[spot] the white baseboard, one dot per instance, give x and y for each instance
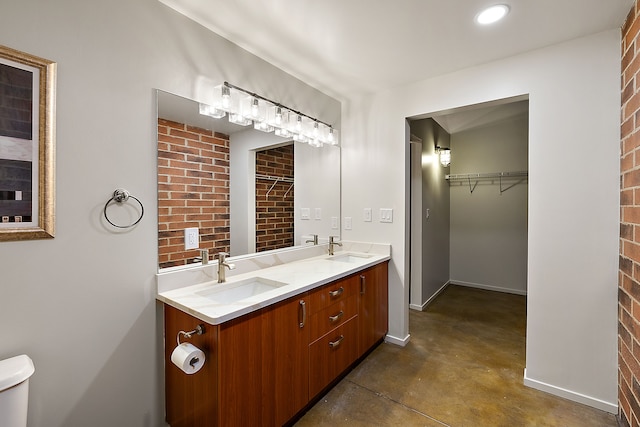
(397, 341)
(571, 395)
(487, 287)
(431, 298)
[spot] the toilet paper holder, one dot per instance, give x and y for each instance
(199, 330)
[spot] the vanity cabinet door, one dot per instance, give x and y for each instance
(240, 381)
(285, 350)
(373, 305)
(264, 365)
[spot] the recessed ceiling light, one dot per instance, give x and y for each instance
(492, 14)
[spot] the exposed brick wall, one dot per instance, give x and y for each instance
(16, 102)
(629, 274)
(274, 213)
(193, 190)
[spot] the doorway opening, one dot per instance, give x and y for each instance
(469, 219)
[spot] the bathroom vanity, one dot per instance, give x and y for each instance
(269, 356)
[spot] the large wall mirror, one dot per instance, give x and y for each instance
(244, 190)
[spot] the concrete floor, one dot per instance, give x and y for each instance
(463, 367)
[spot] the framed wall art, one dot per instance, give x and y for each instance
(27, 146)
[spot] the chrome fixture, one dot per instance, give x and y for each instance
(204, 256)
(333, 243)
(244, 108)
(222, 263)
(313, 240)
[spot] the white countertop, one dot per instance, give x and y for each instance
(295, 277)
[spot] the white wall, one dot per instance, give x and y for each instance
(574, 91)
(83, 304)
(489, 228)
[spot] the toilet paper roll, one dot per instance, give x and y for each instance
(188, 358)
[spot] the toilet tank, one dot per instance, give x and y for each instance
(14, 390)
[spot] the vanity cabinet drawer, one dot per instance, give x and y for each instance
(332, 354)
(335, 315)
(332, 293)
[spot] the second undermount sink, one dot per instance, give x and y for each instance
(227, 293)
(348, 257)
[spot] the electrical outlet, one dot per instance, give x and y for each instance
(347, 223)
(191, 239)
(386, 215)
(367, 214)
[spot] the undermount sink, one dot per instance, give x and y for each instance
(349, 258)
(227, 293)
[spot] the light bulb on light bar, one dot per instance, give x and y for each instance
(208, 110)
(281, 132)
(226, 97)
(332, 136)
(239, 119)
(263, 126)
(298, 137)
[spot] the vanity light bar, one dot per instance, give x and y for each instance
(269, 116)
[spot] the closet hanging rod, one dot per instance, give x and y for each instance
(274, 178)
(476, 176)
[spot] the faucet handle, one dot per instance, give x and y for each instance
(222, 256)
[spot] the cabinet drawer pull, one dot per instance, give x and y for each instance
(336, 343)
(337, 292)
(302, 314)
(363, 284)
(337, 317)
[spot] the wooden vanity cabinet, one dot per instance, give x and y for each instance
(265, 367)
(256, 372)
(373, 307)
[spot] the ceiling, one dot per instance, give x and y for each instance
(351, 47)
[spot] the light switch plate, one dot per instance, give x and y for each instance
(305, 213)
(191, 238)
(386, 215)
(367, 215)
(318, 214)
(334, 222)
(347, 223)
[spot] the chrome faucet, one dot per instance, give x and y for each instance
(332, 243)
(313, 240)
(204, 256)
(222, 263)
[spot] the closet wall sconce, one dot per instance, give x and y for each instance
(245, 108)
(445, 155)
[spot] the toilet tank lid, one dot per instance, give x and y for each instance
(15, 370)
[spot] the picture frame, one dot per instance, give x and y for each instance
(27, 146)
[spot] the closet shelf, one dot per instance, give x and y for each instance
(274, 178)
(518, 176)
(494, 175)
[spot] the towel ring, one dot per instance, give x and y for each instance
(121, 195)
